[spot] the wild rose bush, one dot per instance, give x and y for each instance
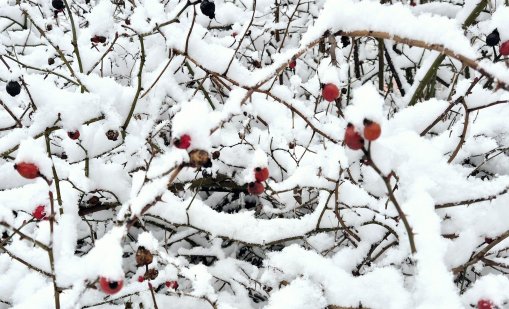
(254, 154)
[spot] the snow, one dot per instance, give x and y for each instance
(148, 241)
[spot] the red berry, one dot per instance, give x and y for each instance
(261, 174)
(141, 279)
(183, 142)
(255, 188)
(39, 213)
(74, 135)
(372, 130)
(352, 138)
(172, 284)
(292, 64)
(484, 304)
(110, 287)
(504, 48)
(330, 92)
(27, 170)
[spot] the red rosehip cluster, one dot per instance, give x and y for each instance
(256, 187)
(172, 284)
(355, 141)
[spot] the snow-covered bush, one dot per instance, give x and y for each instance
(254, 154)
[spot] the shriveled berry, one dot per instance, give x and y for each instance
(199, 158)
(345, 41)
(112, 135)
(51, 61)
(98, 39)
(172, 284)
(208, 163)
(353, 139)
(74, 135)
(330, 92)
(110, 286)
(27, 170)
(143, 256)
(484, 304)
(255, 188)
(372, 130)
(151, 274)
(13, 88)
(504, 48)
(94, 200)
(58, 5)
(39, 212)
(261, 174)
(183, 142)
(493, 38)
(208, 8)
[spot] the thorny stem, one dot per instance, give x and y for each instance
(54, 170)
(394, 201)
(108, 50)
(50, 254)
(463, 133)
(481, 254)
(241, 39)
(41, 70)
(173, 176)
(186, 50)
(59, 51)
(151, 288)
(74, 37)
(48, 130)
(138, 89)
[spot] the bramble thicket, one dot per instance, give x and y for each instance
(254, 154)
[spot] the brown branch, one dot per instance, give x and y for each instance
(472, 201)
(478, 256)
(463, 133)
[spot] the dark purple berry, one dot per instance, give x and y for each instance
(58, 5)
(208, 8)
(13, 88)
(493, 38)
